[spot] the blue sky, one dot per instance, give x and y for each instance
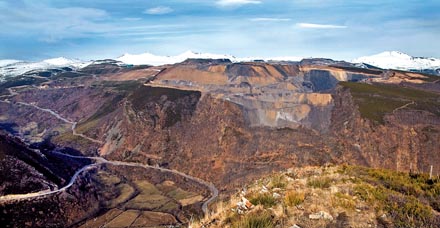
(87, 29)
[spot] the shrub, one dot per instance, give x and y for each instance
(343, 201)
(278, 181)
(293, 198)
(408, 211)
(260, 219)
(265, 199)
(319, 182)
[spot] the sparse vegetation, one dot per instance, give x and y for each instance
(294, 198)
(265, 199)
(354, 196)
(260, 219)
(278, 181)
(68, 137)
(376, 100)
(344, 201)
(401, 195)
(319, 182)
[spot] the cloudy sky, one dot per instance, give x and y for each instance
(340, 29)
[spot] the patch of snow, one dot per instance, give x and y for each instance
(11, 68)
(157, 60)
(5, 62)
(399, 60)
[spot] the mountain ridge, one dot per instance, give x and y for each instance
(400, 61)
(385, 60)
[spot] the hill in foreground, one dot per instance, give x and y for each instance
(332, 196)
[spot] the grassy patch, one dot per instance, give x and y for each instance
(144, 93)
(107, 179)
(265, 199)
(319, 182)
(125, 192)
(376, 100)
(124, 219)
(401, 195)
(262, 219)
(278, 181)
(150, 198)
(149, 202)
(105, 109)
(343, 201)
(68, 137)
(294, 198)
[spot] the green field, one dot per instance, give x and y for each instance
(376, 100)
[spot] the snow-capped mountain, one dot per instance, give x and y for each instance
(10, 68)
(385, 60)
(400, 61)
(156, 60)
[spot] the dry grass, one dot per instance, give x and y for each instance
(260, 219)
(319, 182)
(125, 192)
(357, 196)
(278, 181)
(124, 219)
(294, 198)
(343, 201)
(265, 199)
(150, 198)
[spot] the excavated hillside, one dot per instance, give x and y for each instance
(228, 123)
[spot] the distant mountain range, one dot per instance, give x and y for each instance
(400, 61)
(385, 60)
(10, 68)
(150, 59)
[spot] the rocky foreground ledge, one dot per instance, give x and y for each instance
(332, 196)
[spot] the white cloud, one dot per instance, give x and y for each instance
(50, 23)
(226, 3)
(269, 19)
(131, 18)
(159, 10)
(320, 26)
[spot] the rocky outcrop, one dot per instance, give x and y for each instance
(227, 122)
(408, 139)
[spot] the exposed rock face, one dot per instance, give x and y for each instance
(408, 138)
(230, 122)
(272, 95)
(28, 170)
(292, 110)
(211, 140)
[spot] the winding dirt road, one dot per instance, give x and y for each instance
(99, 161)
(64, 120)
(404, 106)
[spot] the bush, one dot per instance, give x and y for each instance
(260, 219)
(343, 201)
(319, 182)
(293, 198)
(408, 211)
(404, 210)
(278, 181)
(265, 199)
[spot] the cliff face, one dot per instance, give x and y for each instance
(226, 122)
(408, 139)
(206, 137)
